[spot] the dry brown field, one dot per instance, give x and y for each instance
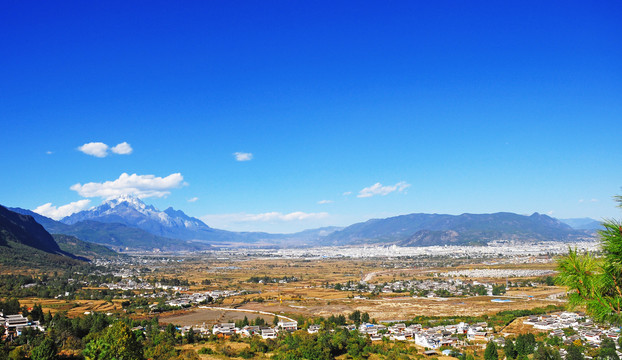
(309, 297)
(73, 308)
(210, 317)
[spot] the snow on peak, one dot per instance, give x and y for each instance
(129, 199)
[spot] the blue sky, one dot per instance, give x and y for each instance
(341, 111)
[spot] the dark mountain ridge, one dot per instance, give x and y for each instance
(24, 242)
(23, 229)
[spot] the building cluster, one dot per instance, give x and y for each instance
(497, 273)
(518, 252)
(129, 284)
(14, 325)
(185, 300)
(431, 338)
(584, 328)
(228, 329)
(430, 288)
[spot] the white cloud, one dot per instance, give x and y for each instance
(97, 149)
(60, 212)
(379, 189)
(550, 213)
(141, 186)
(273, 216)
(122, 149)
(193, 199)
(49, 152)
(347, 193)
(271, 222)
(242, 156)
(324, 202)
(591, 200)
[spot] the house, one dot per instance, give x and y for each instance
(312, 329)
(477, 335)
(288, 325)
(375, 337)
(224, 329)
(397, 328)
(16, 323)
(268, 333)
(398, 336)
(250, 331)
(425, 341)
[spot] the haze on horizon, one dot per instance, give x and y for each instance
(285, 116)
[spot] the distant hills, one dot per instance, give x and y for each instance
(583, 223)
(127, 223)
(440, 229)
(24, 242)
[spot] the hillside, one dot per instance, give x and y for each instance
(441, 229)
(73, 245)
(23, 229)
(24, 242)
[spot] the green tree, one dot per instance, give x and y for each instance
(491, 352)
(46, 350)
(356, 317)
(365, 317)
(525, 344)
(574, 353)
(608, 350)
(10, 307)
(37, 313)
(117, 342)
(190, 338)
(510, 351)
(546, 353)
(596, 283)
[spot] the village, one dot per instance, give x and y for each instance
(583, 328)
(428, 288)
(432, 339)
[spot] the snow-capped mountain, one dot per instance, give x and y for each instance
(132, 211)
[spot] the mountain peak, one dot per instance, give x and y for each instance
(131, 211)
(128, 199)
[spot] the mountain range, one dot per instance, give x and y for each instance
(127, 223)
(116, 236)
(442, 229)
(131, 211)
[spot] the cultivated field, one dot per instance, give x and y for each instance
(309, 297)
